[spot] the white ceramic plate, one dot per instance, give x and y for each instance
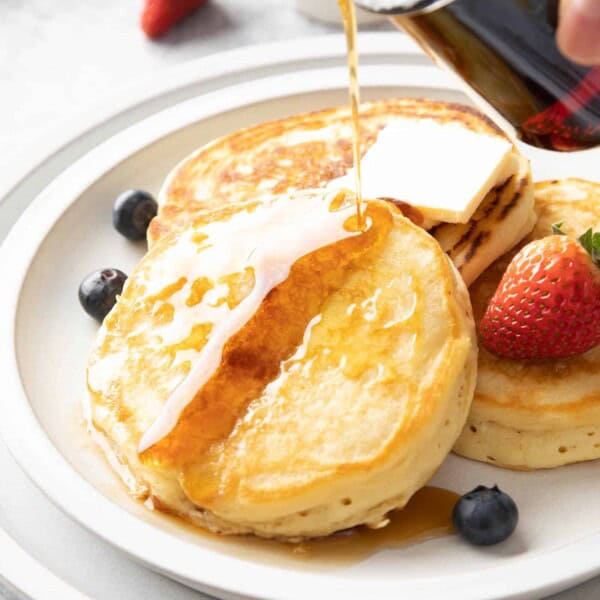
(44, 338)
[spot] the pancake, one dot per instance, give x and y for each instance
(308, 151)
(501, 221)
(534, 415)
(331, 406)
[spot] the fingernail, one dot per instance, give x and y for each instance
(579, 31)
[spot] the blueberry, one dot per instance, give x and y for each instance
(485, 516)
(99, 290)
(132, 212)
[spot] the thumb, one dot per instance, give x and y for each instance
(578, 33)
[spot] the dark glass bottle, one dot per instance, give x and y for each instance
(506, 51)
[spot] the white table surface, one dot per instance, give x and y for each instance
(56, 58)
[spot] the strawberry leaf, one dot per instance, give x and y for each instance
(557, 228)
(591, 242)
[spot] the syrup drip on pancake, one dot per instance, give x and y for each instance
(349, 18)
(289, 235)
(265, 354)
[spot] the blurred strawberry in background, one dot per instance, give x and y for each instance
(159, 16)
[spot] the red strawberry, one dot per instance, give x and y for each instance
(548, 302)
(160, 15)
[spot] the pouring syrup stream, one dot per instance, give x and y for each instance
(349, 17)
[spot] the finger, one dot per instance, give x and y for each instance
(579, 31)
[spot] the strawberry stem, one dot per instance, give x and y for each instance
(591, 242)
(557, 228)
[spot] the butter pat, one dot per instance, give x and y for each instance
(443, 169)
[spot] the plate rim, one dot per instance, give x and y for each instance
(30, 576)
(39, 219)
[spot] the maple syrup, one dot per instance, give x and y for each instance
(427, 515)
(252, 355)
(349, 18)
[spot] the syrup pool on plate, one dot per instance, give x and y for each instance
(427, 515)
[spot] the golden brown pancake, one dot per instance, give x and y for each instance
(335, 403)
(308, 151)
(300, 152)
(533, 415)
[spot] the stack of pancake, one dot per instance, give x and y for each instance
(352, 382)
(528, 415)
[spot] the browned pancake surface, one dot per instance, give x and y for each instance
(300, 152)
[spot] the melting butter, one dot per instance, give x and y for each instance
(442, 169)
(269, 241)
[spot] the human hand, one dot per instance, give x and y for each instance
(578, 33)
